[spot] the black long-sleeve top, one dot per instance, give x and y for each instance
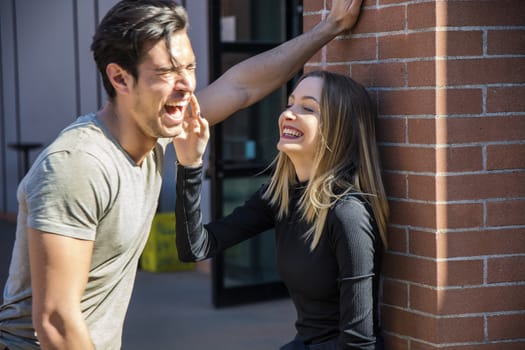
(332, 287)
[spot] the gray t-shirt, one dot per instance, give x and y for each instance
(84, 185)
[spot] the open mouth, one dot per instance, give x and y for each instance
(174, 112)
(173, 109)
(291, 133)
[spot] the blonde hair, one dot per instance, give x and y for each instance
(346, 159)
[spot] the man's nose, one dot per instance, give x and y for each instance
(185, 81)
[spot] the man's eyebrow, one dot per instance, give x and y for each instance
(165, 69)
(173, 68)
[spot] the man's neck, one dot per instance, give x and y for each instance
(126, 132)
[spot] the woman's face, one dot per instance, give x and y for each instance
(299, 123)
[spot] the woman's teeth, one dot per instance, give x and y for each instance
(292, 132)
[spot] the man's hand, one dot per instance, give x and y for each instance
(344, 14)
(191, 143)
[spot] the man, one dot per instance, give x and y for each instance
(86, 205)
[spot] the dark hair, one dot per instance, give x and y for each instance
(127, 27)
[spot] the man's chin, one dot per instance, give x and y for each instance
(172, 132)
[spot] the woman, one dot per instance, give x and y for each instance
(327, 204)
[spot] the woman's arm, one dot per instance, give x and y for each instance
(197, 242)
(354, 239)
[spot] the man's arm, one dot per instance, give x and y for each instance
(59, 273)
(251, 80)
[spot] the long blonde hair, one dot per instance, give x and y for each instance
(346, 158)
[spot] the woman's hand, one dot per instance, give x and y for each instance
(191, 143)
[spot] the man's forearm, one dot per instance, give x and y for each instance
(268, 71)
(251, 80)
(68, 332)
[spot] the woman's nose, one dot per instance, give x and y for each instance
(288, 114)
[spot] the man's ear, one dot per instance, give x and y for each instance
(119, 78)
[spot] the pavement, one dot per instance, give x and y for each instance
(173, 311)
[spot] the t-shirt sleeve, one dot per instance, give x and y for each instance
(354, 238)
(66, 194)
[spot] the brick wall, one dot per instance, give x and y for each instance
(449, 78)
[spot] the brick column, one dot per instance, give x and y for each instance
(449, 79)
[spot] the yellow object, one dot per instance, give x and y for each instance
(160, 252)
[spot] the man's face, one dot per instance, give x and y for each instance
(160, 96)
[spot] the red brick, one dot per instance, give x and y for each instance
(459, 159)
(506, 99)
(452, 216)
(466, 130)
(506, 326)
(380, 74)
(395, 293)
(421, 73)
(479, 243)
(397, 240)
(424, 244)
(373, 20)
(427, 131)
(506, 156)
(425, 15)
(312, 5)
(460, 329)
(509, 269)
(406, 323)
(485, 13)
(506, 42)
(459, 43)
(506, 213)
(519, 345)
(415, 45)
(407, 102)
(408, 268)
(425, 299)
(457, 216)
(459, 301)
(481, 71)
(420, 102)
(395, 184)
(390, 2)
(484, 186)
(460, 273)
(459, 101)
(391, 130)
(348, 50)
(393, 342)
(419, 159)
(431, 44)
(430, 329)
(422, 187)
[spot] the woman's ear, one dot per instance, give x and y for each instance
(119, 78)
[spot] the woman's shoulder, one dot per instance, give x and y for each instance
(351, 203)
(351, 214)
